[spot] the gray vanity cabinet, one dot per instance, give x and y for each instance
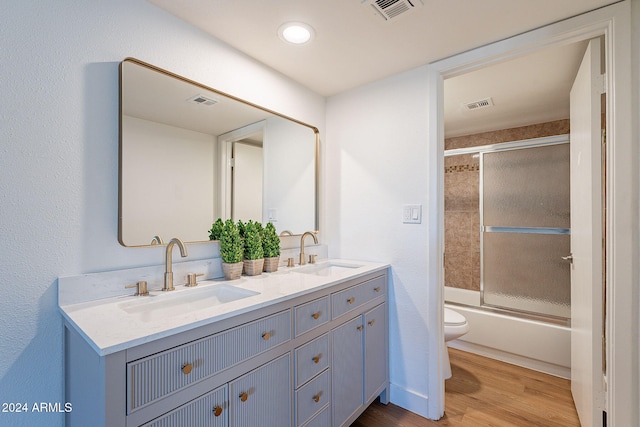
(313, 360)
(359, 362)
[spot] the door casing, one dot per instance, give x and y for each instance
(614, 24)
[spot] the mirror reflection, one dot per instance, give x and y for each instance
(190, 154)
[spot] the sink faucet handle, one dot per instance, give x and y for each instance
(312, 258)
(141, 288)
(192, 279)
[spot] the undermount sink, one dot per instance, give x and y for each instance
(327, 268)
(184, 301)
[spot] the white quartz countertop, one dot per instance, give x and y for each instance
(118, 323)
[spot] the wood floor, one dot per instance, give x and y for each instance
(485, 392)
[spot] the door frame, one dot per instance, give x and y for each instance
(612, 22)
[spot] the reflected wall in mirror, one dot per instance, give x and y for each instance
(190, 154)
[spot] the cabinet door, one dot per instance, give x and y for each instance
(347, 370)
(263, 396)
(210, 410)
(376, 366)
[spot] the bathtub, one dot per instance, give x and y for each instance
(532, 344)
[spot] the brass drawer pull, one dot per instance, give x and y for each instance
(351, 300)
(186, 368)
(316, 359)
(217, 410)
(316, 315)
(371, 322)
(377, 289)
(266, 336)
(244, 396)
(316, 398)
(359, 327)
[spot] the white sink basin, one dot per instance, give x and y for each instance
(169, 304)
(327, 268)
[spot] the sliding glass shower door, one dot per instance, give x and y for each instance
(524, 218)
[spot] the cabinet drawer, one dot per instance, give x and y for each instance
(323, 419)
(311, 358)
(311, 398)
(154, 377)
(351, 298)
(311, 315)
(210, 410)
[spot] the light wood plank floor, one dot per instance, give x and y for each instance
(486, 392)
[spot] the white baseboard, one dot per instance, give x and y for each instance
(409, 400)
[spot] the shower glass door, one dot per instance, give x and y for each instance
(524, 217)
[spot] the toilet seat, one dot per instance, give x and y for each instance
(453, 318)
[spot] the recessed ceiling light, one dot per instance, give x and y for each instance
(296, 32)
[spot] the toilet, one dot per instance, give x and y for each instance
(455, 326)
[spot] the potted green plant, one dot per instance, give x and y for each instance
(271, 248)
(253, 252)
(231, 250)
(216, 229)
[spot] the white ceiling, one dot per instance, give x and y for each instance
(355, 46)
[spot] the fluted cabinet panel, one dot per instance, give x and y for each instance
(312, 397)
(356, 296)
(323, 419)
(347, 370)
(210, 410)
(311, 358)
(154, 377)
(311, 315)
(376, 365)
(263, 396)
(248, 340)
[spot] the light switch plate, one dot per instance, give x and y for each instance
(412, 214)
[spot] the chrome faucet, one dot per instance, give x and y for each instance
(168, 267)
(315, 240)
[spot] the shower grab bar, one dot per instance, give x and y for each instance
(524, 230)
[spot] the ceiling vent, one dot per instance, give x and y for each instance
(202, 100)
(388, 10)
(477, 105)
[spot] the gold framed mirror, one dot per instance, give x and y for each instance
(190, 154)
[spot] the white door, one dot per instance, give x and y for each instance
(247, 182)
(587, 240)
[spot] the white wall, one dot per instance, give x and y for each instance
(169, 176)
(378, 151)
(289, 152)
(59, 159)
(376, 161)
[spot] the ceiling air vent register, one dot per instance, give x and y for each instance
(202, 100)
(391, 9)
(476, 105)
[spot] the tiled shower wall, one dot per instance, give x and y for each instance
(462, 201)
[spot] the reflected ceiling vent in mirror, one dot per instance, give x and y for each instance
(202, 100)
(477, 105)
(389, 10)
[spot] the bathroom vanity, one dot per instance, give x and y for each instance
(306, 346)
